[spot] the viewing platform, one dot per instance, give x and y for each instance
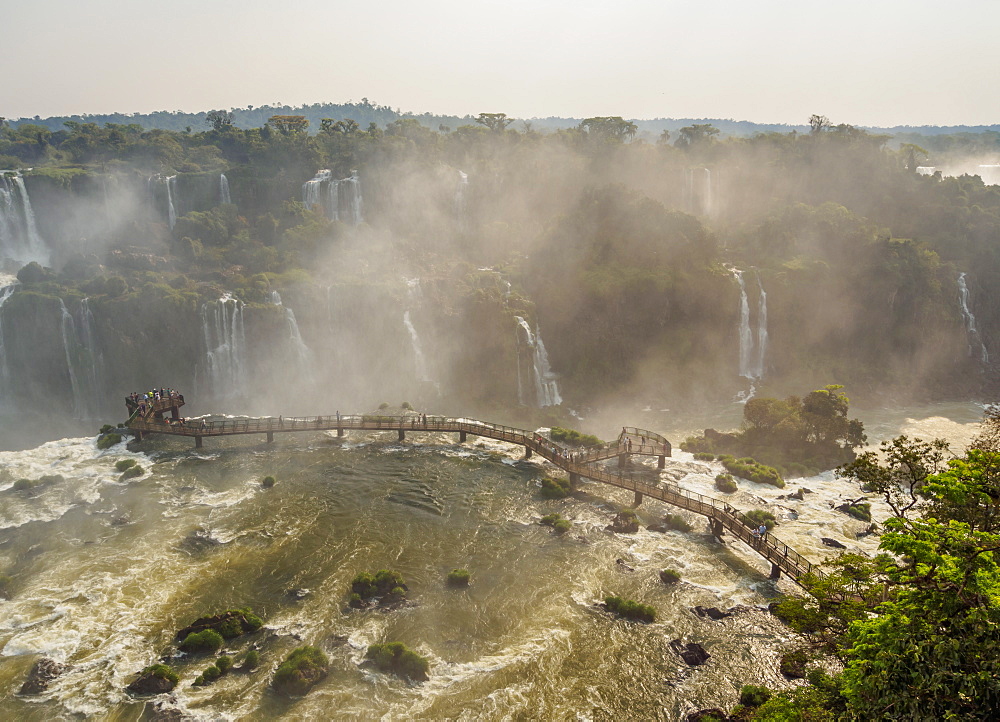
(579, 463)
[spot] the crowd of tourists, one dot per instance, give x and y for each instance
(144, 402)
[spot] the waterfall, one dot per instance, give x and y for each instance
(420, 361)
(171, 211)
(312, 189)
(225, 347)
(19, 236)
(463, 185)
(5, 293)
(302, 353)
(761, 330)
(970, 321)
(352, 193)
(699, 190)
(546, 386)
(71, 351)
(746, 334)
(224, 197)
(94, 360)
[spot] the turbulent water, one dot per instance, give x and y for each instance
(105, 571)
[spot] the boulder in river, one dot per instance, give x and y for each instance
(692, 652)
(711, 612)
(832, 543)
(713, 714)
(44, 671)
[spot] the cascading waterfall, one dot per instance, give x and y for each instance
(224, 197)
(352, 197)
(312, 190)
(72, 352)
(302, 353)
(419, 360)
(94, 360)
(5, 293)
(19, 236)
(546, 386)
(970, 322)
(746, 334)
(225, 347)
(463, 185)
(171, 184)
(699, 191)
(753, 346)
(761, 330)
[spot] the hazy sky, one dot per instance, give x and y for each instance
(871, 62)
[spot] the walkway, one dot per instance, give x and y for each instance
(578, 463)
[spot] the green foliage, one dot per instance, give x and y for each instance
(572, 437)
(300, 671)
(669, 576)
(108, 440)
(267, 482)
(550, 519)
(704, 456)
(251, 660)
(398, 659)
(562, 526)
(161, 671)
(747, 468)
(132, 472)
(754, 696)
(793, 664)
(676, 522)
(555, 488)
(458, 578)
(629, 609)
(383, 405)
(124, 464)
(224, 663)
(384, 582)
(860, 511)
(205, 641)
(406, 405)
(105, 429)
(725, 483)
(756, 517)
(24, 484)
(211, 673)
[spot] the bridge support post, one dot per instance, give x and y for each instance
(623, 461)
(661, 462)
(270, 436)
(340, 431)
(402, 435)
(139, 435)
(638, 499)
(574, 479)
(175, 413)
(715, 525)
(461, 437)
(197, 442)
(527, 452)
(775, 572)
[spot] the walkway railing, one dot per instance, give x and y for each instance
(578, 462)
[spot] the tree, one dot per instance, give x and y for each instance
(696, 135)
(610, 129)
(288, 124)
(818, 124)
(497, 122)
(219, 119)
(825, 414)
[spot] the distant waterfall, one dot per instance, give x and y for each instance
(761, 331)
(225, 348)
(5, 293)
(91, 355)
(463, 186)
(420, 361)
(302, 353)
(699, 191)
(546, 386)
(72, 353)
(19, 237)
(313, 189)
(171, 184)
(970, 322)
(332, 195)
(352, 200)
(753, 346)
(224, 197)
(746, 334)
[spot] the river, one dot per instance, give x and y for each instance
(105, 571)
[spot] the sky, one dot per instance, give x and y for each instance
(870, 63)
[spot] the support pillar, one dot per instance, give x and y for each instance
(140, 435)
(197, 442)
(340, 431)
(461, 437)
(623, 461)
(175, 413)
(661, 462)
(775, 572)
(574, 479)
(715, 526)
(638, 499)
(270, 436)
(527, 452)
(402, 435)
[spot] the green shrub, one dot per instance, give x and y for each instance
(211, 673)
(793, 664)
(132, 472)
(704, 456)
(550, 519)
(797, 614)
(199, 680)
(406, 405)
(105, 429)
(676, 522)
(725, 483)
(553, 488)
(754, 696)
(396, 658)
(756, 517)
(562, 526)
(458, 578)
(267, 482)
(207, 640)
(24, 484)
(669, 576)
(572, 437)
(251, 660)
(224, 663)
(108, 440)
(629, 609)
(123, 464)
(861, 511)
(161, 671)
(383, 405)
(355, 600)
(383, 582)
(747, 468)
(301, 669)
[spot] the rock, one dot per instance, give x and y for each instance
(692, 652)
(711, 612)
(713, 714)
(872, 529)
(298, 594)
(203, 623)
(44, 671)
(161, 712)
(832, 543)
(621, 563)
(624, 523)
(799, 495)
(150, 683)
(662, 528)
(806, 490)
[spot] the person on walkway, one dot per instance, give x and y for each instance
(762, 531)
